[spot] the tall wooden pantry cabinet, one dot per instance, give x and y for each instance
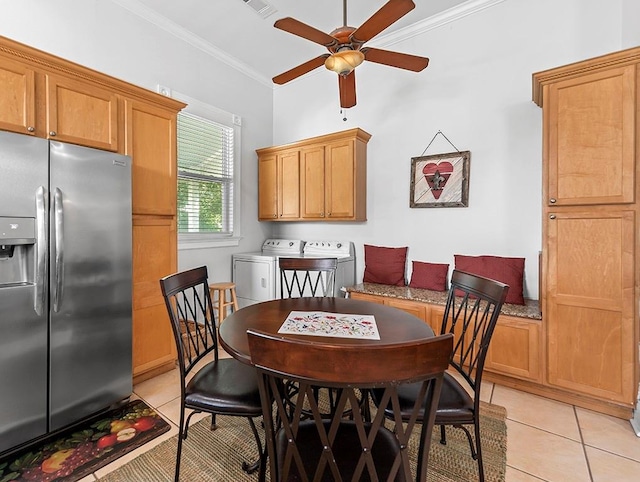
(591, 159)
(46, 96)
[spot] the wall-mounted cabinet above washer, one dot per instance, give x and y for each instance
(318, 179)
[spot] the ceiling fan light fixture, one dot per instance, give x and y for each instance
(344, 62)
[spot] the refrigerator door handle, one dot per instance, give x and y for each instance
(41, 250)
(58, 214)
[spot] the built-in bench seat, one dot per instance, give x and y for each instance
(531, 308)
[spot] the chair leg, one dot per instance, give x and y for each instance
(181, 435)
(251, 468)
(479, 450)
(443, 435)
(213, 422)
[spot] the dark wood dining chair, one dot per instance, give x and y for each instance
(353, 448)
(304, 277)
(471, 313)
(223, 386)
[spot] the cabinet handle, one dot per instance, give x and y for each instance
(552, 200)
(552, 216)
(52, 133)
(31, 129)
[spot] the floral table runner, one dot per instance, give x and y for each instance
(339, 325)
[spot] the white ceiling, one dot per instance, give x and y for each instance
(236, 33)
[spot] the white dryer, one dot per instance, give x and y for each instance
(257, 276)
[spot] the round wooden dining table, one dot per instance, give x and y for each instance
(394, 325)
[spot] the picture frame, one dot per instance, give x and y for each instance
(440, 180)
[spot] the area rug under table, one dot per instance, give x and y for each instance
(73, 454)
(217, 456)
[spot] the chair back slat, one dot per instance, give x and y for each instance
(471, 313)
(192, 316)
(307, 277)
(312, 443)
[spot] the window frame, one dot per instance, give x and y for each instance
(212, 240)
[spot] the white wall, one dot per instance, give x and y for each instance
(477, 91)
(102, 35)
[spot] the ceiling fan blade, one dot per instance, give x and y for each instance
(389, 13)
(395, 59)
(301, 69)
(347, 86)
(303, 30)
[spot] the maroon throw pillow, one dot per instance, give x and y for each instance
(384, 265)
(430, 276)
(506, 270)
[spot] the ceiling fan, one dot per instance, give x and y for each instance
(346, 51)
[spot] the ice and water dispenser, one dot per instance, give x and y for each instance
(17, 244)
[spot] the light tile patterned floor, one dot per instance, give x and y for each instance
(547, 440)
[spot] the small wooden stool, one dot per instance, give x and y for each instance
(221, 302)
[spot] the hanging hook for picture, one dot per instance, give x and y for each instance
(439, 133)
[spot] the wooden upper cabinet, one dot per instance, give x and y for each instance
(81, 113)
(343, 173)
(278, 186)
(312, 182)
(289, 185)
(589, 136)
(17, 97)
(150, 141)
(321, 178)
(268, 187)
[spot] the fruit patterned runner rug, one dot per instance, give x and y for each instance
(71, 455)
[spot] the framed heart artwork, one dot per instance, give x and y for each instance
(440, 180)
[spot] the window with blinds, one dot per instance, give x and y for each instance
(205, 176)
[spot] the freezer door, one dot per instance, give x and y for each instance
(90, 286)
(23, 332)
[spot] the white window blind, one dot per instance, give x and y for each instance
(205, 176)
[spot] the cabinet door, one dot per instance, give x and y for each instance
(289, 185)
(17, 97)
(590, 136)
(268, 188)
(590, 309)
(312, 183)
(515, 348)
(340, 180)
(154, 256)
(81, 113)
(151, 138)
(417, 309)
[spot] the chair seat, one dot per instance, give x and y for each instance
(455, 405)
(227, 387)
(346, 450)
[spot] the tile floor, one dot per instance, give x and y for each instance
(547, 440)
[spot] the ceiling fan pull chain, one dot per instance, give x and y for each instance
(439, 133)
(344, 115)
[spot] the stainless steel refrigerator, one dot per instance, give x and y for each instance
(65, 285)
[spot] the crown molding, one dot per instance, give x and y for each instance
(451, 15)
(151, 16)
(448, 16)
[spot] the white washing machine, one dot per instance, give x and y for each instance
(257, 276)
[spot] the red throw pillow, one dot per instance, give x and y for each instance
(384, 265)
(506, 270)
(430, 276)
